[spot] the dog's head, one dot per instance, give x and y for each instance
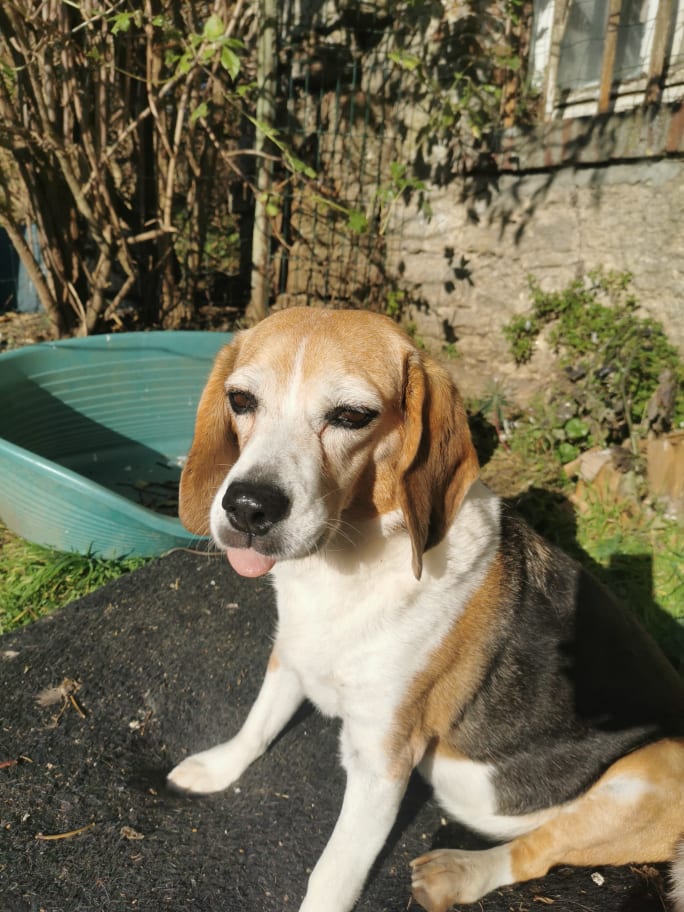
(315, 419)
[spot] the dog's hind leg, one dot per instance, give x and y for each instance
(634, 813)
(215, 769)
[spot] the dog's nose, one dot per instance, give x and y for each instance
(254, 508)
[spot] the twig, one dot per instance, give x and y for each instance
(74, 703)
(54, 836)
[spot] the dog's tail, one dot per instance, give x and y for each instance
(677, 874)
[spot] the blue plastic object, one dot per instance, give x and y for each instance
(93, 435)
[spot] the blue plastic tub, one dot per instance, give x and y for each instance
(93, 435)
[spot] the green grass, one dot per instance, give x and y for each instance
(35, 581)
(640, 552)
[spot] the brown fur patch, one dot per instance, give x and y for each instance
(214, 446)
(452, 674)
(355, 337)
(438, 463)
(604, 826)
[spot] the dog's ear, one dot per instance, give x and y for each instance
(214, 447)
(438, 462)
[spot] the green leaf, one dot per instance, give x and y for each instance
(357, 221)
(567, 452)
(171, 58)
(200, 111)
(121, 23)
(185, 63)
(300, 167)
(397, 171)
(230, 62)
(213, 28)
(269, 131)
(576, 429)
(408, 61)
(206, 54)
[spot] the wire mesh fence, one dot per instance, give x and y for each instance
(341, 122)
(376, 100)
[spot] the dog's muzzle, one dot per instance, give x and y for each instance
(249, 529)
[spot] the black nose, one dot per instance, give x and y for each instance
(254, 508)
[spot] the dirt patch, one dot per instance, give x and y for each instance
(18, 329)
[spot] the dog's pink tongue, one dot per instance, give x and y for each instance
(248, 562)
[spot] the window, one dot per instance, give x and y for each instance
(592, 56)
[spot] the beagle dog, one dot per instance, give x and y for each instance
(445, 634)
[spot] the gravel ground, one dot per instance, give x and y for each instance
(103, 698)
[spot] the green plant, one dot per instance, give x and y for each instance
(411, 329)
(521, 333)
(493, 406)
(396, 301)
(468, 76)
(385, 198)
(117, 124)
(139, 187)
(611, 357)
(399, 184)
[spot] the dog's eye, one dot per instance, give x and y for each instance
(351, 417)
(242, 403)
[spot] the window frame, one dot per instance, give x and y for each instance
(662, 54)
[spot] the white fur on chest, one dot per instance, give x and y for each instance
(346, 637)
(357, 626)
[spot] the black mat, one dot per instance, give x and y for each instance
(168, 661)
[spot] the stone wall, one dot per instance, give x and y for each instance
(554, 201)
(619, 206)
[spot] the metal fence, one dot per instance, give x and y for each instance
(336, 108)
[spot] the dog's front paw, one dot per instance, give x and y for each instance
(445, 877)
(209, 771)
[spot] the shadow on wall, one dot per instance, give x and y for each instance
(543, 151)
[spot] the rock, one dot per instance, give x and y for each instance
(665, 472)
